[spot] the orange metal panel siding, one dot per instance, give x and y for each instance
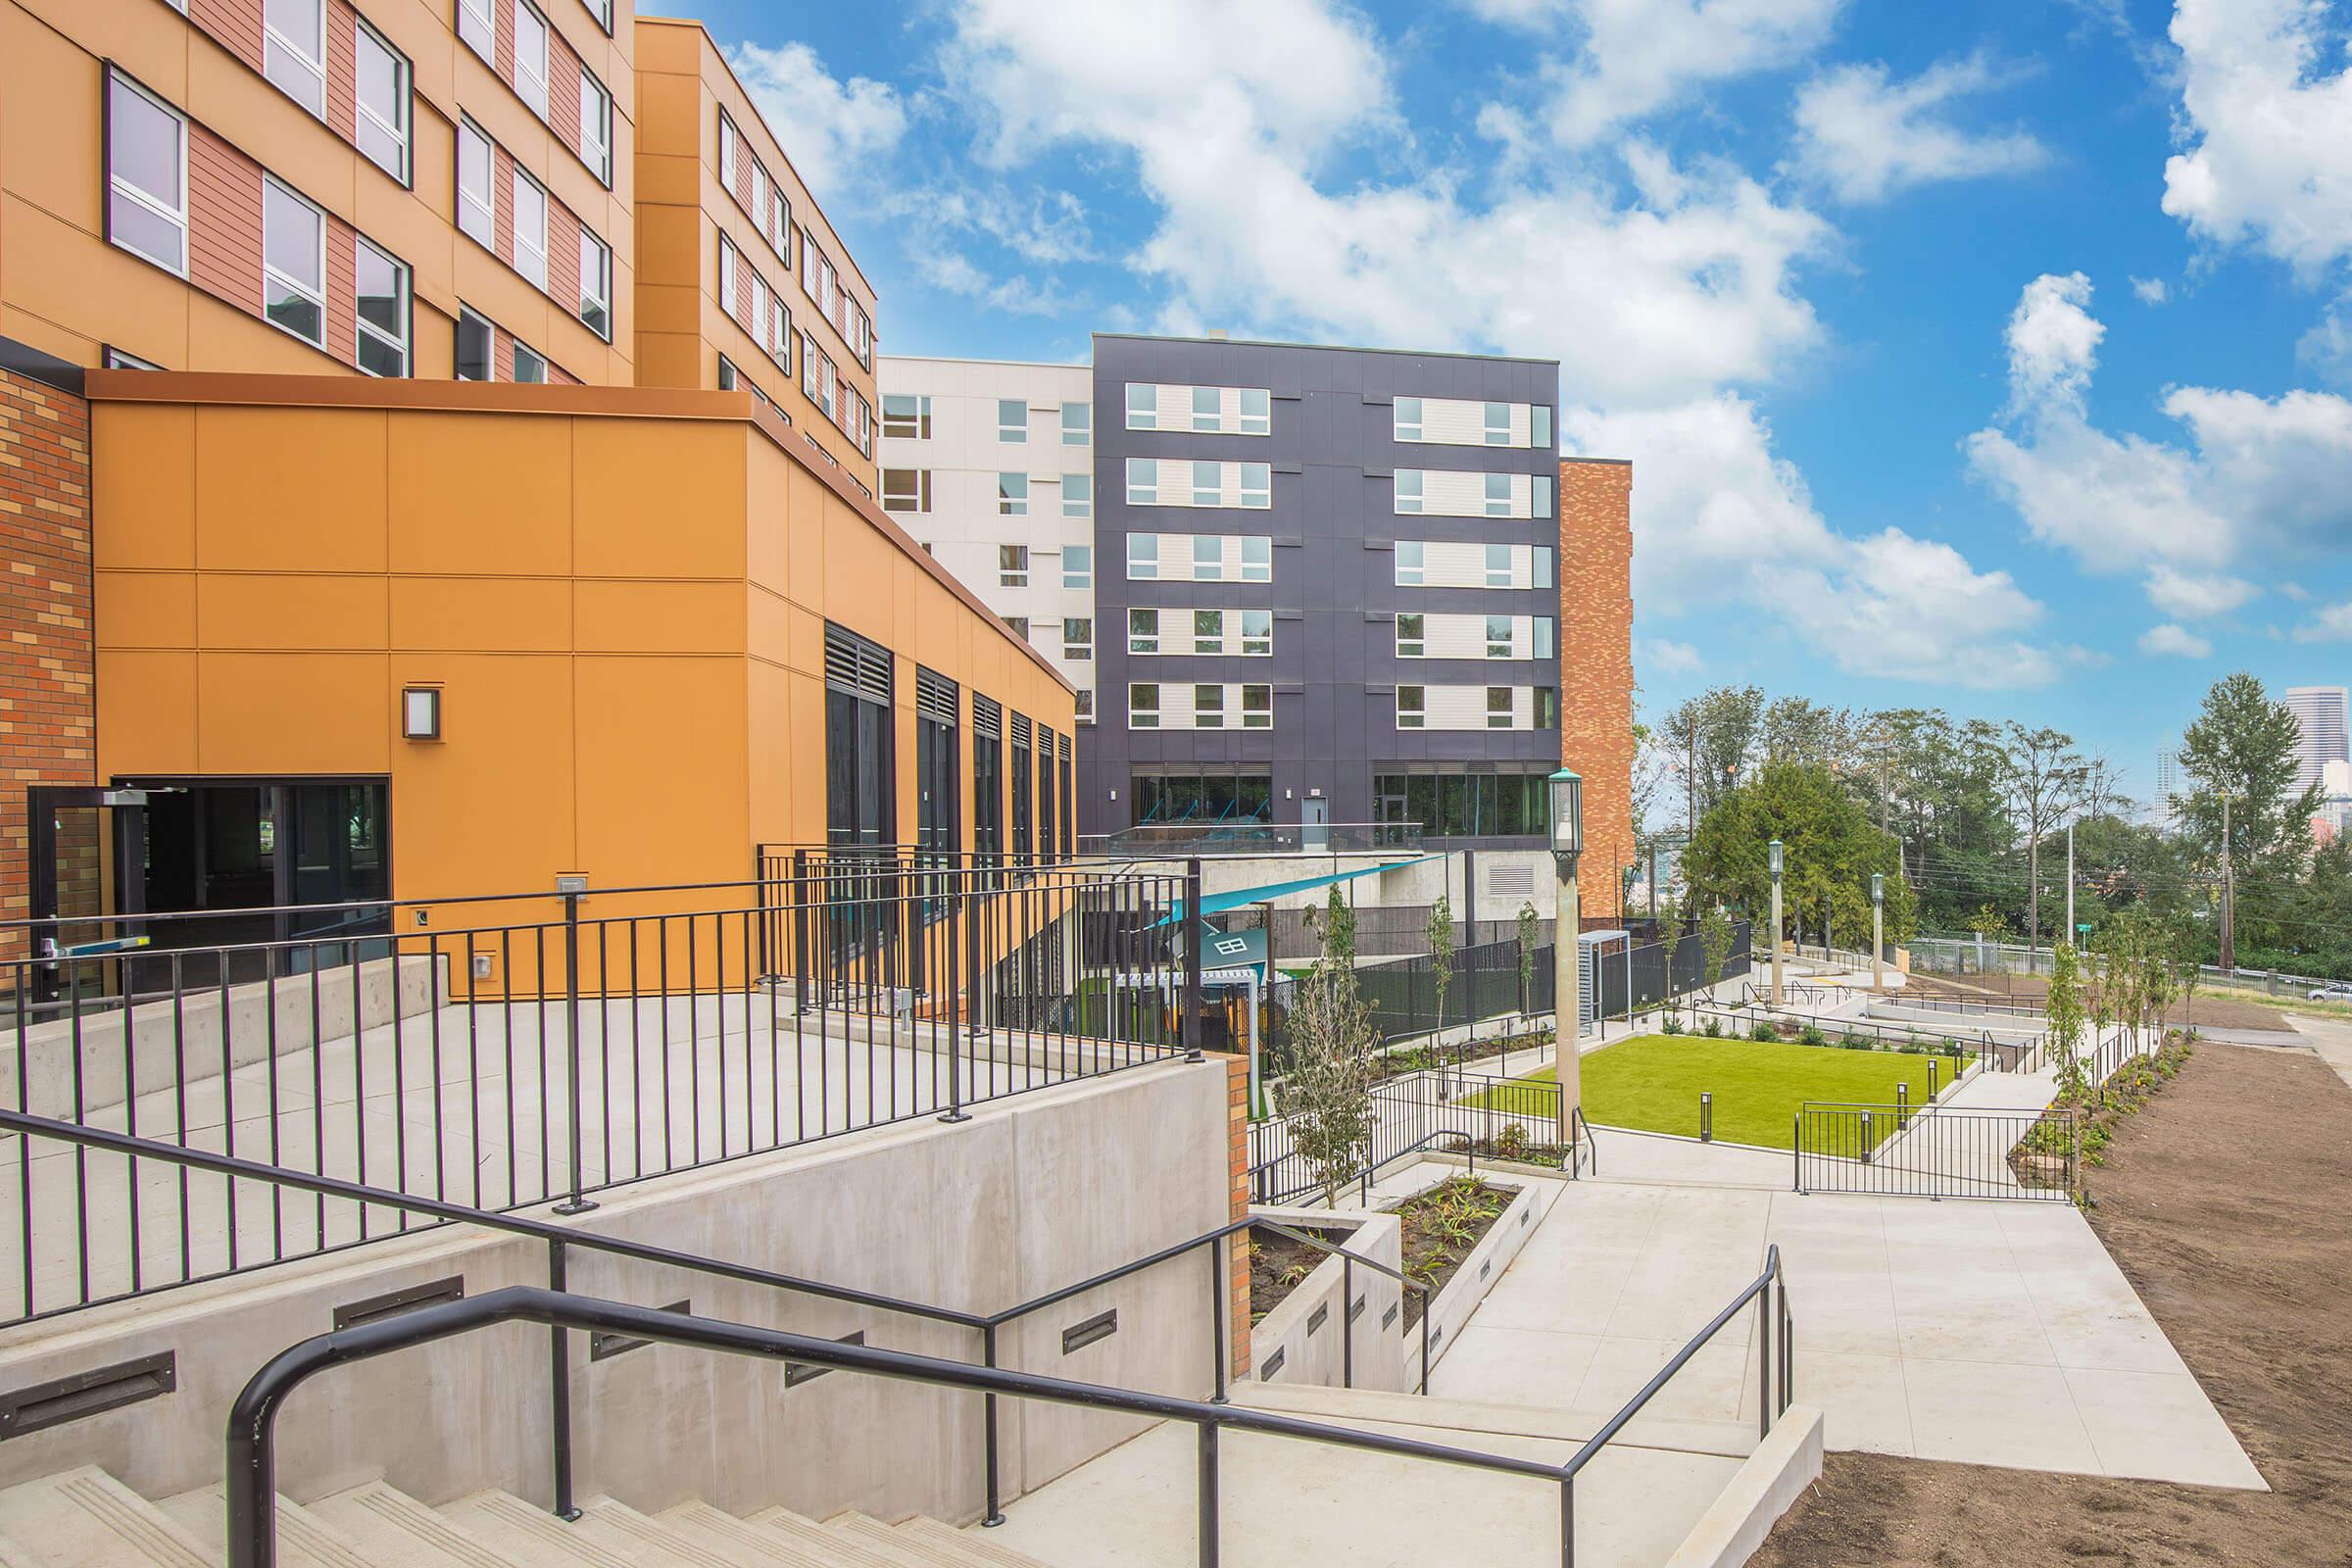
(236, 23)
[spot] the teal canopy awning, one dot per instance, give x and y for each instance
(1242, 897)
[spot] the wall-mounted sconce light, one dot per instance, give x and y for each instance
(421, 712)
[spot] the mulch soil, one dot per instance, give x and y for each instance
(1432, 1256)
(2224, 1201)
(2205, 1012)
(1279, 1265)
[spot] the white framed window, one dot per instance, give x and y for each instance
(905, 415)
(907, 490)
(595, 126)
(1498, 424)
(1412, 707)
(1543, 635)
(1208, 707)
(116, 359)
(1143, 482)
(726, 274)
(1498, 636)
(1539, 427)
(602, 11)
(1257, 558)
(1078, 566)
(1012, 495)
(1258, 485)
(1143, 705)
(811, 366)
(1086, 706)
(1077, 423)
(294, 50)
(530, 57)
(861, 335)
(1209, 631)
(1499, 707)
(293, 263)
(1209, 558)
(596, 284)
(1077, 640)
(1257, 416)
(1257, 632)
(1143, 405)
(380, 90)
(1541, 567)
(1498, 565)
(1208, 407)
(1142, 557)
(1409, 419)
(1143, 631)
(475, 360)
(478, 25)
(760, 193)
(477, 215)
(1411, 571)
(1208, 483)
(1412, 637)
(1410, 485)
(380, 283)
(1077, 495)
(530, 228)
(1498, 495)
(758, 309)
(1012, 422)
(1258, 707)
(146, 175)
(726, 150)
(1545, 702)
(779, 336)
(778, 218)
(530, 365)
(1542, 493)
(1019, 625)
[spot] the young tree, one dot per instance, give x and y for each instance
(1530, 927)
(1670, 937)
(1716, 730)
(1440, 955)
(1715, 944)
(2065, 1018)
(1332, 1079)
(2044, 782)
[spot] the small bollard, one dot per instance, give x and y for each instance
(1902, 1105)
(1866, 1137)
(1706, 1117)
(1933, 1065)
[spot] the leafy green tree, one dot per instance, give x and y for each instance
(2044, 778)
(2243, 747)
(1715, 936)
(1331, 1080)
(1833, 847)
(1717, 729)
(1530, 926)
(1441, 951)
(1670, 937)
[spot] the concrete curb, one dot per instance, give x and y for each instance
(1764, 1488)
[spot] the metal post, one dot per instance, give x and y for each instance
(1902, 1105)
(1219, 1283)
(1878, 923)
(1706, 1116)
(1207, 1526)
(1348, 1317)
(1190, 932)
(1568, 1522)
(575, 1204)
(2069, 882)
(560, 1402)
(800, 932)
(1567, 995)
(988, 1420)
(1776, 923)
(1766, 1333)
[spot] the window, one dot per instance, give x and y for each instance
(759, 193)
(382, 310)
(1258, 707)
(1257, 631)
(1143, 405)
(1410, 712)
(1208, 413)
(860, 741)
(904, 415)
(475, 214)
(726, 274)
(530, 57)
(1143, 706)
(1209, 558)
(1256, 417)
(1543, 644)
(1258, 485)
(779, 226)
(147, 176)
(117, 359)
(602, 11)
(988, 778)
(381, 125)
(1542, 488)
(726, 152)
(293, 263)
(1498, 495)
(1086, 706)
(1411, 638)
(596, 285)
(530, 368)
(474, 338)
(478, 27)
(861, 335)
(812, 368)
(1012, 565)
(1465, 806)
(1498, 636)
(1409, 485)
(759, 314)
(1012, 421)
(1143, 482)
(1498, 424)
(294, 50)
(1258, 559)
(1143, 631)
(596, 127)
(1542, 566)
(1018, 625)
(1498, 565)
(1142, 557)
(1547, 707)
(1540, 423)
(1408, 419)
(905, 489)
(1208, 483)
(1409, 570)
(1078, 566)
(1209, 631)
(1208, 707)
(1077, 495)
(1077, 640)
(1077, 423)
(530, 228)
(1499, 707)
(1012, 495)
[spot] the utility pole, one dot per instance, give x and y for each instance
(1690, 779)
(2229, 953)
(2069, 882)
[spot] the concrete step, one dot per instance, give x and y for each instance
(965, 1548)
(1371, 1408)
(850, 1551)
(530, 1536)
(304, 1540)
(13, 1555)
(86, 1518)
(882, 1541)
(745, 1545)
(648, 1541)
(394, 1528)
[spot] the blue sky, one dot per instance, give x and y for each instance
(1986, 356)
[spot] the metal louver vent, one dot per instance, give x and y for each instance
(856, 664)
(1065, 748)
(1020, 731)
(935, 696)
(988, 718)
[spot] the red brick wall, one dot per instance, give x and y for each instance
(1237, 1311)
(47, 721)
(1596, 664)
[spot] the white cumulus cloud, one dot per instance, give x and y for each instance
(832, 131)
(2175, 642)
(1865, 137)
(2151, 290)
(2332, 623)
(1663, 657)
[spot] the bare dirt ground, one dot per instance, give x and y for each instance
(2205, 1012)
(2225, 1202)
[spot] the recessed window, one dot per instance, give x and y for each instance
(294, 50)
(1499, 707)
(1498, 565)
(726, 274)
(1012, 421)
(1018, 625)
(906, 489)
(1143, 706)
(602, 11)
(1411, 638)
(1257, 632)
(1209, 558)
(1077, 495)
(1208, 707)
(1012, 495)
(1257, 486)
(1542, 568)
(1544, 632)
(1258, 559)
(1078, 566)
(116, 359)
(1209, 631)
(1408, 419)
(905, 415)
(1208, 412)
(596, 285)
(473, 354)
(1409, 568)
(530, 366)
(1410, 712)
(1142, 557)
(1258, 707)
(475, 214)
(1077, 423)
(530, 58)
(530, 228)
(1086, 706)
(1498, 636)
(1540, 421)
(1256, 419)
(1498, 495)
(1208, 483)
(382, 310)
(380, 89)
(1012, 565)
(1143, 631)
(1410, 484)
(147, 176)
(1077, 640)
(1143, 405)
(726, 150)
(293, 263)
(1498, 424)
(1143, 482)
(596, 127)
(478, 26)
(779, 230)
(1541, 487)
(1546, 706)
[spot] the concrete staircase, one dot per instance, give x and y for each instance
(87, 1519)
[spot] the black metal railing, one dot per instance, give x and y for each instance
(1348, 1263)
(1247, 836)
(506, 1050)
(1510, 1120)
(1901, 1150)
(1977, 1049)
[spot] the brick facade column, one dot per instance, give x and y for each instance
(1237, 1119)
(1596, 664)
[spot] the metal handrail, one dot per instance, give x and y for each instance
(1348, 1296)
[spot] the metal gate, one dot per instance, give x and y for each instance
(1902, 1152)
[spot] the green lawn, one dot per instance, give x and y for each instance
(1653, 1082)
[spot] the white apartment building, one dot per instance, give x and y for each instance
(990, 465)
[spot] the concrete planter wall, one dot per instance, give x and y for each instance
(1303, 1338)
(1494, 1252)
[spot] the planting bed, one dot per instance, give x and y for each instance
(1440, 1226)
(1279, 1265)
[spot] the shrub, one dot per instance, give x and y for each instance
(1763, 1031)
(1811, 1035)
(1712, 1028)
(1672, 1025)
(1512, 1142)
(1857, 1041)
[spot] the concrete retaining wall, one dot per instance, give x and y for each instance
(1761, 1490)
(1301, 1340)
(1468, 1287)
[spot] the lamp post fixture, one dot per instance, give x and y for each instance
(1877, 924)
(1775, 849)
(1567, 792)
